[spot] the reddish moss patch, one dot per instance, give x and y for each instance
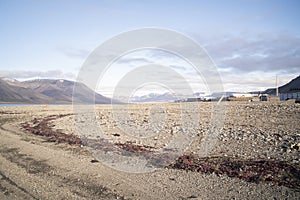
(43, 127)
(134, 148)
(257, 171)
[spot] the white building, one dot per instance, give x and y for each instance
(243, 95)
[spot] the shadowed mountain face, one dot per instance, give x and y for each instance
(290, 87)
(14, 91)
(47, 91)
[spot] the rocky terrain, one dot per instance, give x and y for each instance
(236, 150)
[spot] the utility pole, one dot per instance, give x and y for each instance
(277, 86)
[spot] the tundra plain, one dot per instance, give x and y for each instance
(46, 153)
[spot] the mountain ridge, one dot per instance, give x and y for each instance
(290, 87)
(45, 91)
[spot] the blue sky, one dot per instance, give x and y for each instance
(249, 40)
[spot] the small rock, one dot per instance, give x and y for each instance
(192, 197)
(295, 146)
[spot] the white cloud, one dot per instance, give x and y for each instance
(262, 53)
(26, 74)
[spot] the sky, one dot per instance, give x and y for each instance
(249, 41)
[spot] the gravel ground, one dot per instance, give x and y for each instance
(242, 131)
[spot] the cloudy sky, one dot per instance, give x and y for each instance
(250, 41)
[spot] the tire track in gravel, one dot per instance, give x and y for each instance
(7, 189)
(7, 185)
(80, 188)
(14, 149)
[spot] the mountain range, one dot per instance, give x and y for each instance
(47, 91)
(292, 86)
(154, 97)
(59, 91)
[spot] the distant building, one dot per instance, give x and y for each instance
(291, 95)
(210, 98)
(238, 95)
(193, 99)
(197, 99)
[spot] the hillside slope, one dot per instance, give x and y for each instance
(47, 91)
(292, 86)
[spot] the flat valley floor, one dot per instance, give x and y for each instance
(230, 150)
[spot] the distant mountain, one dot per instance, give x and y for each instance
(47, 91)
(290, 87)
(13, 91)
(165, 97)
(154, 97)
